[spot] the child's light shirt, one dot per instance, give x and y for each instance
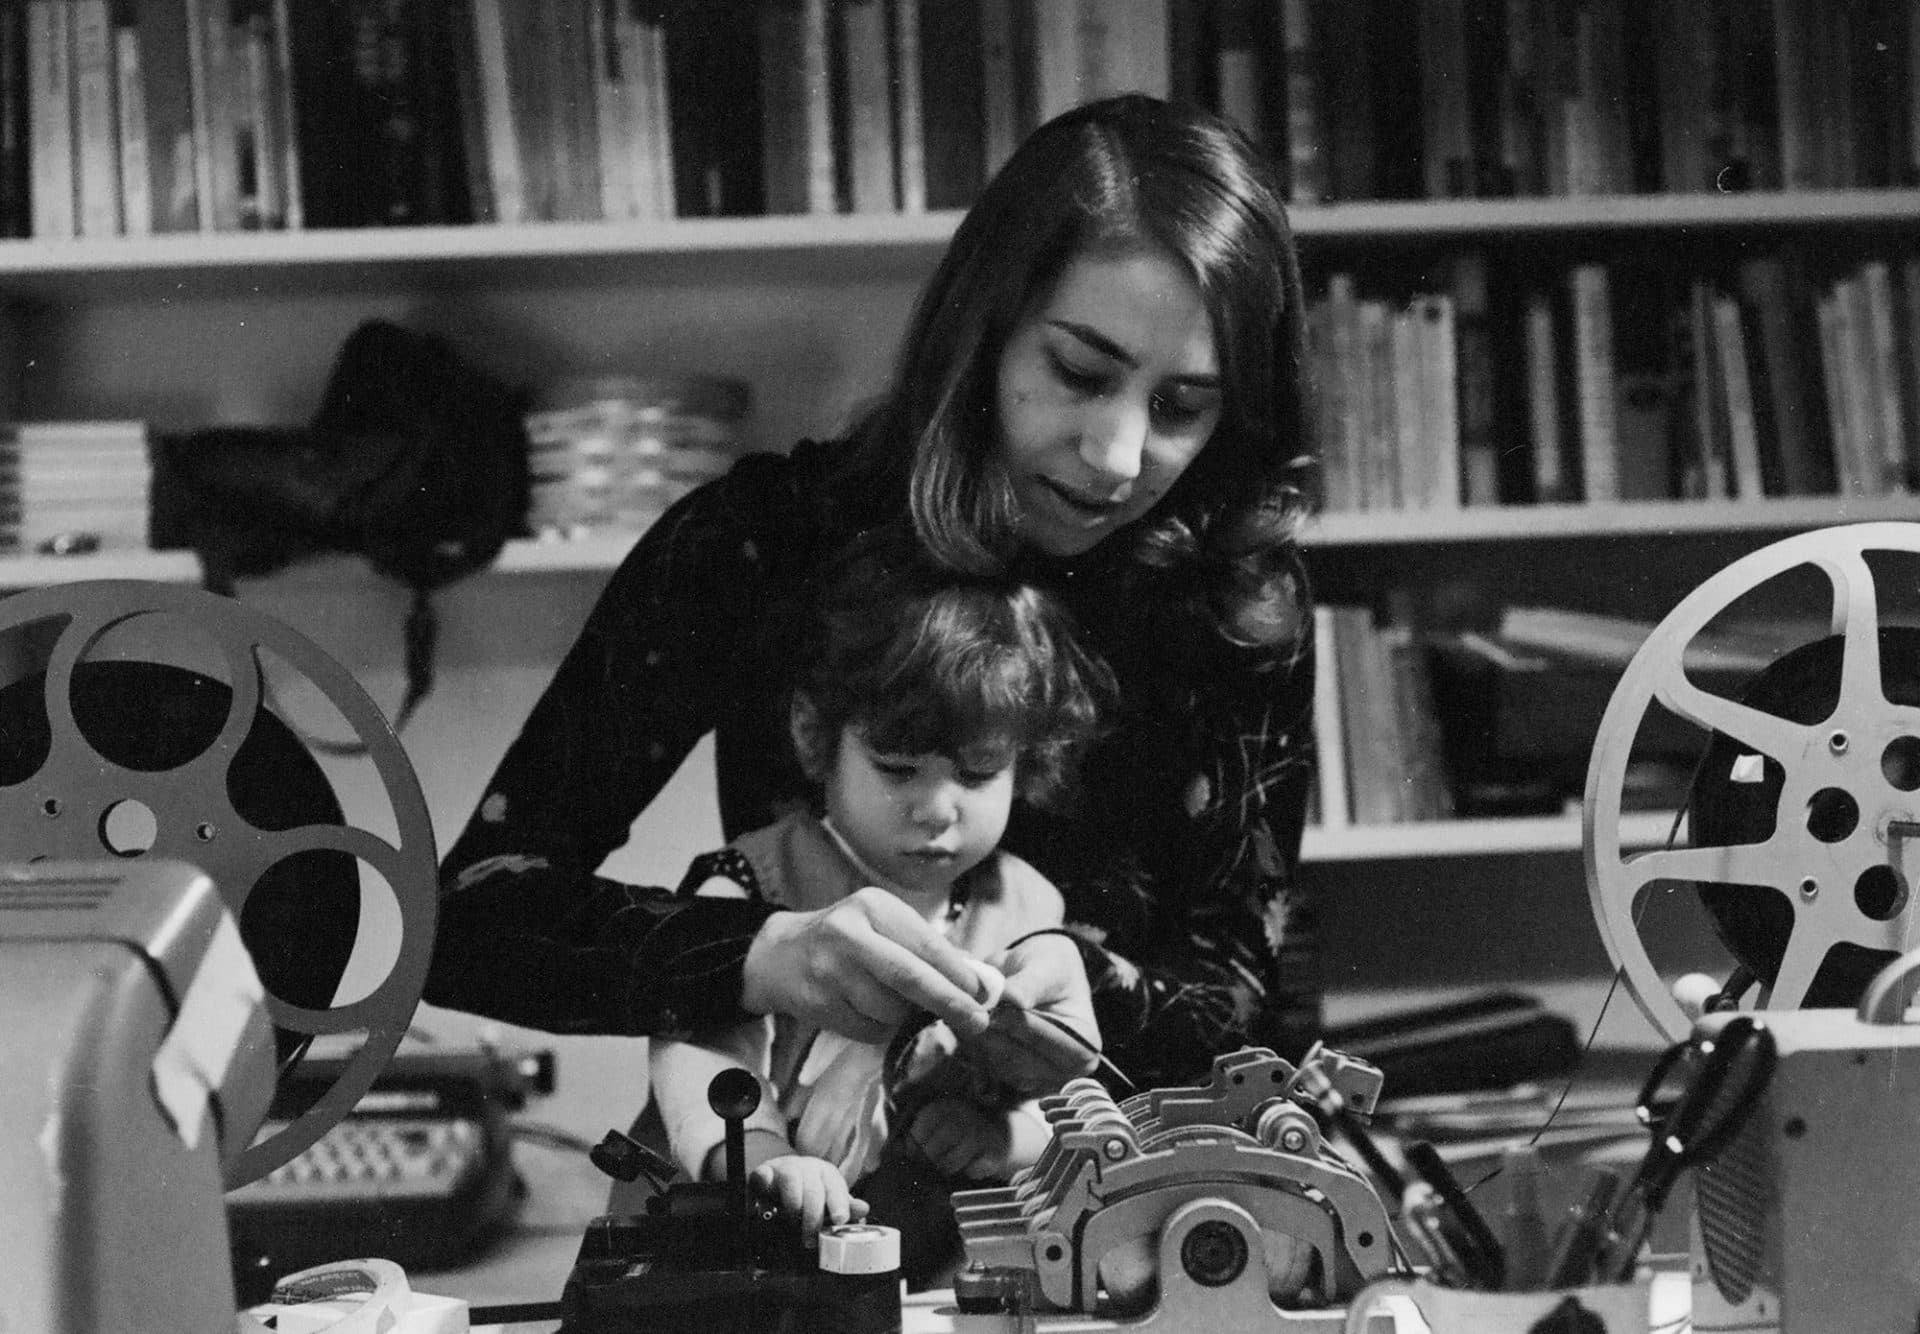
(821, 1092)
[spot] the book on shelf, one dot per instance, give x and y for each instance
(1775, 291)
(1084, 50)
(1736, 399)
(1546, 419)
(1366, 718)
(1382, 714)
(1595, 391)
(50, 116)
(1389, 408)
(1331, 805)
(909, 106)
(1303, 96)
(953, 100)
(863, 82)
(797, 106)
(1239, 66)
(1447, 138)
(1475, 380)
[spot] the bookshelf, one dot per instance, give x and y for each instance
(238, 326)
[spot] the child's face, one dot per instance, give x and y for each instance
(920, 820)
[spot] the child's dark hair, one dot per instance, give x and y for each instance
(921, 660)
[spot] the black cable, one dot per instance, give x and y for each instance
(513, 1313)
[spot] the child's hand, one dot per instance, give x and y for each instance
(963, 1139)
(809, 1190)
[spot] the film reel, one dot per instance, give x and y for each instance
(132, 754)
(1836, 854)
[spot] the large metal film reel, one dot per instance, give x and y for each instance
(1846, 818)
(72, 779)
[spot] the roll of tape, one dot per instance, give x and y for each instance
(859, 1248)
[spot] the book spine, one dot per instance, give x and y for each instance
(95, 118)
(50, 116)
(1330, 748)
(909, 118)
(1876, 290)
(130, 128)
(284, 117)
(1743, 436)
(1544, 414)
(1594, 377)
(1440, 374)
(1414, 438)
(1846, 447)
(1239, 68)
(16, 167)
(867, 106)
(1309, 178)
(953, 100)
(498, 110)
(615, 153)
(1008, 95)
(1475, 381)
(659, 118)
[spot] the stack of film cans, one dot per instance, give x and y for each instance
(610, 453)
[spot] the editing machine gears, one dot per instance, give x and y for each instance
(1217, 1206)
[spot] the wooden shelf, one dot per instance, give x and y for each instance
(600, 552)
(1474, 838)
(1430, 219)
(171, 567)
(1633, 518)
(240, 264)
(596, 554)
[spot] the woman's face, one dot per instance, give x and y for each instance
(1107, 389)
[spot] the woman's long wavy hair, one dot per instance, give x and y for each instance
(1111, 177)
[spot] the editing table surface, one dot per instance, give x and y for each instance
(530, 1264)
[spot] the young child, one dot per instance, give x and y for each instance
(926, 703)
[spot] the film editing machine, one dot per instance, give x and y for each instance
(188, 906)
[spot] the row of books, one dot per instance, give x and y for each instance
(137, 116)
(1768, 382)
(1367, 99)
(1381, 752)
(70, 487)
(1420, 722)
(1632, 379)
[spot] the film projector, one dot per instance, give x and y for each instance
(185, 905)
(188, 904)
(1804, 845)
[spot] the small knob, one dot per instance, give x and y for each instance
(733, 1094)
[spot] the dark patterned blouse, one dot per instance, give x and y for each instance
(1176, 856)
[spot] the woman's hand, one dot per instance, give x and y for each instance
(1024, 1046)
(861, 967)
